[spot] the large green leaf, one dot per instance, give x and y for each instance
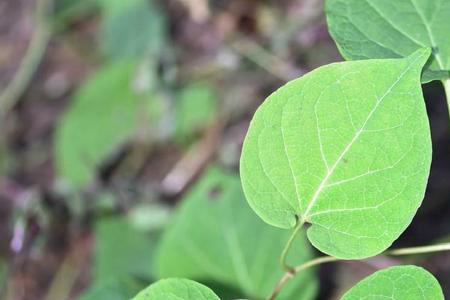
(397, 283)
(390, 29)
(119, 289)
(121, 249)
(122, 261)
(176, 289)
(215, 237)
(102, 115)
(344, 150)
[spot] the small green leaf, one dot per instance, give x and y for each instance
(194, 109)
(101, 116)
(390, 29)
(216, 238)
(344, 150)
(397, 283)
(132, 28)
(176, 289)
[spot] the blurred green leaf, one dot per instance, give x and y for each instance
(105, 202)
(122, 263)
(195, 107)
(102, 115)
(149, 216)
(131, 28)
(156, 109)
(66, 11)
(119, 289)
(215, 237)
(121, 249)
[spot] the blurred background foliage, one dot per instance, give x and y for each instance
(121, 129)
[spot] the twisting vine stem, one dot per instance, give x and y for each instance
(326, 259)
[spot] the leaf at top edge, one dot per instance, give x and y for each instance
(390, 29)
(176, 289)
(397, 283)
(344, 150)
(430, 76)
(216, 239)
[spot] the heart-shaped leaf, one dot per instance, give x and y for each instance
(344, 150)
(397, 283)
(389, 29)
(176, 289)
(216, 238)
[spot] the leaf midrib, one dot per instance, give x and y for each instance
(305, 216)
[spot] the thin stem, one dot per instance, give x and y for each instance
(326, 259)
(289, 274)
(446, 84)
(288, 245)
(419, 250)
